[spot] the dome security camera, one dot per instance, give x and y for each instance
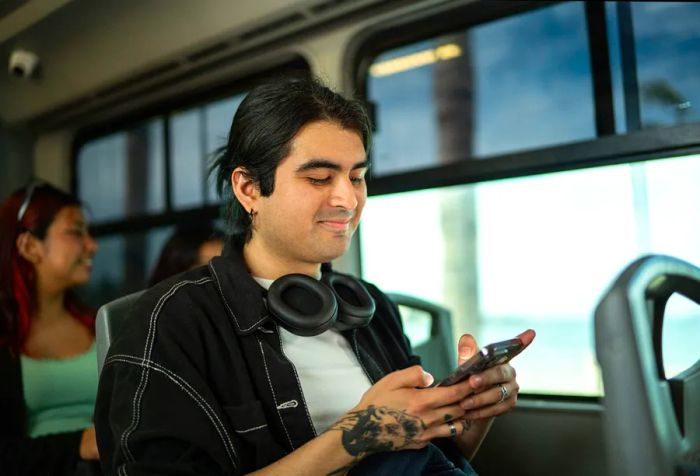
(23, 64)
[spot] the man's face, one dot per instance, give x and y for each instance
(317, 200)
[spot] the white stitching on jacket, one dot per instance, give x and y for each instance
(189, 390)
(223, 298)
(150, 339)
(250, 429)
(274, 397)
(143, 382)
(289, 404)
(301, 391)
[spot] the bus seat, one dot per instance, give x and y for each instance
(651, 423)
(109, 318)
(438, 352)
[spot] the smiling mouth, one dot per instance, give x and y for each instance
(339, 225)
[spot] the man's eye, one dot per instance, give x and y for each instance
(357, 180)
(319, 181)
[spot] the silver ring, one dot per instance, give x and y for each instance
(453, 429)
(504, 392)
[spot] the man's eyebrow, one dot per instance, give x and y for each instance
(327, 164)
(361, 165)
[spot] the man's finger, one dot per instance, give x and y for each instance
(411, 377)
(466, 347)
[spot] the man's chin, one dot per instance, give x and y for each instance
(333, 250)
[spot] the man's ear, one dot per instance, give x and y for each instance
(245, 189)
(29, 247)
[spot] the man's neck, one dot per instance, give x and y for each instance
(263, 264)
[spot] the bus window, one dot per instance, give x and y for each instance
(681, 321)
(120, 174)
(507, 85)
(665, 44)
(122, 179)
(515, 207)
(535, 252)
(195, 134)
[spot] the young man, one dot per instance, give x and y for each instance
(213, 374)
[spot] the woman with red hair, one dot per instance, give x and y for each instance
(48, 369)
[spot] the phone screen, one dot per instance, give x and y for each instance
(492, 354)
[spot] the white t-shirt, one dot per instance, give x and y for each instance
(331, 378)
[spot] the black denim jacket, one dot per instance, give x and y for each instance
(197, 381)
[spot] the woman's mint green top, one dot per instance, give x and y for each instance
(59, 393)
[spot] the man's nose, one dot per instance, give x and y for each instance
(344, 194)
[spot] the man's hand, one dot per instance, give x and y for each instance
(398, 413)
(495, 389)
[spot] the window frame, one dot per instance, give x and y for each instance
(608, 148)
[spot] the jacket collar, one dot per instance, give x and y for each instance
(242, 296)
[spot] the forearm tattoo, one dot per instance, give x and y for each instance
(376, 429)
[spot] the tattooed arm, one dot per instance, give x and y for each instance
(394, 414)
(375, 429)
(397, 414)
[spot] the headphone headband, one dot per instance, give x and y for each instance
(308, 307)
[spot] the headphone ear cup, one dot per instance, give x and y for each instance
(302, 305)
(355, 305)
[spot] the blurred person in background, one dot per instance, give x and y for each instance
(187, 248)
(48, 363)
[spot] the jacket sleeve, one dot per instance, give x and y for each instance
(155, 412)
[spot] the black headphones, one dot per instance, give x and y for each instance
(308, 307)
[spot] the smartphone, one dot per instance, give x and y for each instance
(492, 354)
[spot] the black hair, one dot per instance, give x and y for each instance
(262, 131)
(30, 209)
(181, 251)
